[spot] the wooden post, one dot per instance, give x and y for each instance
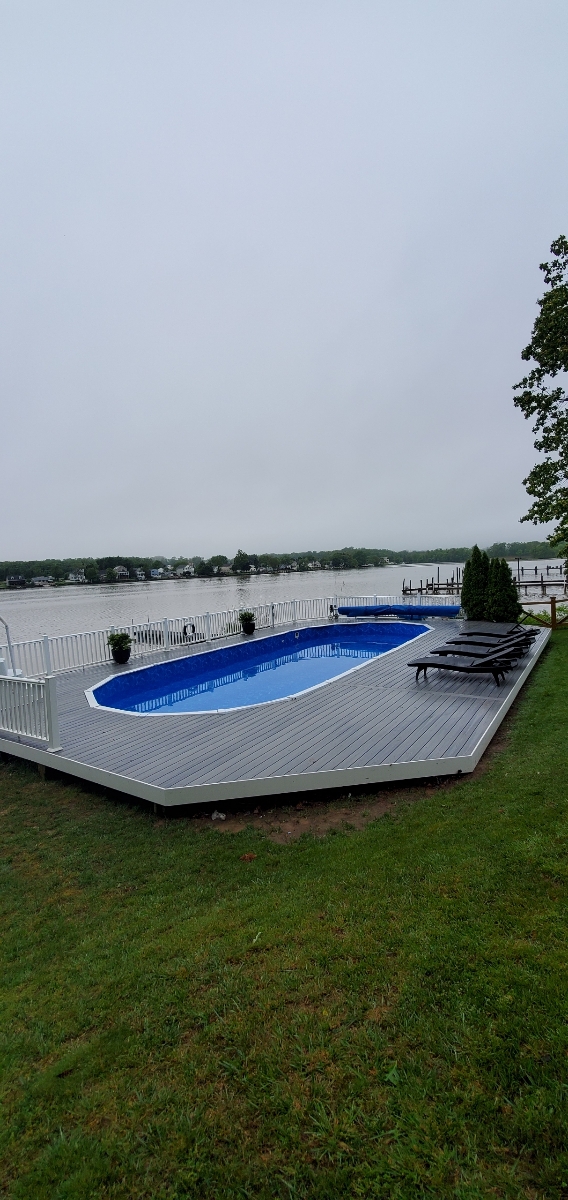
(553, 612)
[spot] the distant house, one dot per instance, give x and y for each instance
(185, 569)
(156, 572)
(16, 581)
(42, 580)
(140, 573)
(121, 572)
(225, 569)
(76, 577)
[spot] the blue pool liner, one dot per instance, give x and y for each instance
(253, 671)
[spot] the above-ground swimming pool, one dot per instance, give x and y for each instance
(253, 672)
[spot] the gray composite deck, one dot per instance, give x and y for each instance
(374, 725)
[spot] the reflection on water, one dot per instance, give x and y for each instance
(175, 699)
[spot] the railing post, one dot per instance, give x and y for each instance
(553, 612)
(272, 616)
(294, 612)
(53, 742)
(207, 627)
(166, 634)
(46, 656)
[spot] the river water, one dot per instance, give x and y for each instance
(73, 609)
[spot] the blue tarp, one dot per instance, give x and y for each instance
(400, 610)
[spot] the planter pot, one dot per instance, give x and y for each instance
(248, 626)
(121, 656)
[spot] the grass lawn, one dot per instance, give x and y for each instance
(376, 1013)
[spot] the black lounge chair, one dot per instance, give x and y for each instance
(496, 666)
(485, 646)
(497, 633)
(476, 651)
(518, 635)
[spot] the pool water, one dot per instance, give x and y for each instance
(253, 672)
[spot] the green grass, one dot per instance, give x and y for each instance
(373, 1014)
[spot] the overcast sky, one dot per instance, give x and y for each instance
(268, 267)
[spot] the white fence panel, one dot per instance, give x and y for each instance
(28, 708)
(28, 657)
(71, 650)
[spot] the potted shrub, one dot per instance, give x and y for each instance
(120, 644)
(247, 621)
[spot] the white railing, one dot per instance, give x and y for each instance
(28, 708)
(48, 656)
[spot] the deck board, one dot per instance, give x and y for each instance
(374, 724)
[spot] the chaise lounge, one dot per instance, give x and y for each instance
(488, 644)
(481, 650)
(495, 665)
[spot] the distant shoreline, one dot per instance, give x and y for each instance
(169, 577)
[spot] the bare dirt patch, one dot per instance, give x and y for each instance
(286, 823)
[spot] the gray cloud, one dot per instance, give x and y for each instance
(267, 270)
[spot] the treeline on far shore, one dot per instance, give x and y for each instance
(114, 568)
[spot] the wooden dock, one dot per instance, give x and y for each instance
(372, 726)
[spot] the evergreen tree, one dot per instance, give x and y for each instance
(511, 601)
(502, 599)
(474, 586)
(492, 604)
